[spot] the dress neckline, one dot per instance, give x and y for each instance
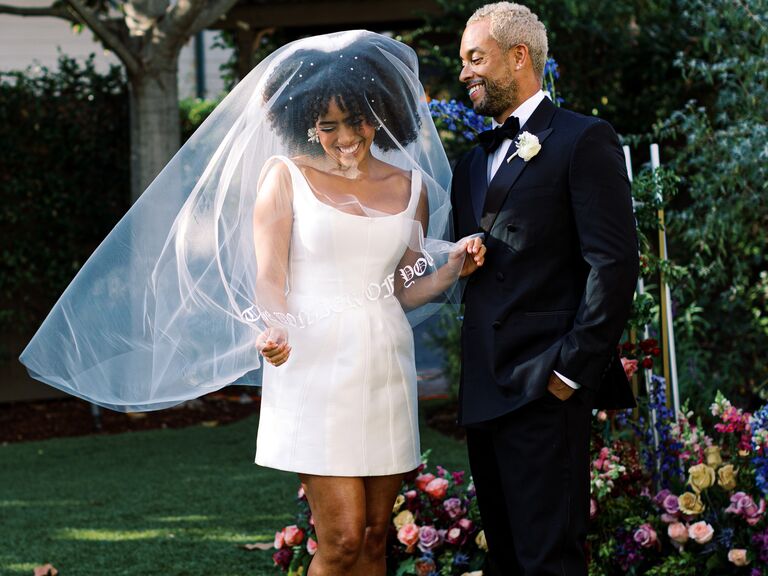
(415, 185)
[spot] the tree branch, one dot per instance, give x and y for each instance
(52, 10)
(213, 11)
(107, 37)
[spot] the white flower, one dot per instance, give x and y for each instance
(527, 147)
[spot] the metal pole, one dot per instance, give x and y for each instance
(668, 330)
(648, 373)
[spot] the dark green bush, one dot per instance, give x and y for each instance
(64, 182)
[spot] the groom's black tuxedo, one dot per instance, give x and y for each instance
(557, 284)
(553, 295)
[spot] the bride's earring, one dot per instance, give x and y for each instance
(312, 135)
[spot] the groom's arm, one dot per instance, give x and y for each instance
(605, 224)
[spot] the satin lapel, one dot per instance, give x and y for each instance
(509, 172)
(478, 181)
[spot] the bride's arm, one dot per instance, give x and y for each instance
(468, 255)
(272, 226)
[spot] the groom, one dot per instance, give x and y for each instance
(543, 317)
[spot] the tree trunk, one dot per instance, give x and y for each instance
(155, 130)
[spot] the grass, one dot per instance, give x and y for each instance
(165, 502)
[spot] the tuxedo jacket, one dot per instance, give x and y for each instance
(560, 270)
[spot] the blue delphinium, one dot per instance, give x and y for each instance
(759, 425)
(457, 117)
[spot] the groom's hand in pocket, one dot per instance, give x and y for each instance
(558, 388)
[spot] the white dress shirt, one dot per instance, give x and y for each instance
(522, 112)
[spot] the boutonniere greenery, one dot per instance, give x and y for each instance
(527, 146)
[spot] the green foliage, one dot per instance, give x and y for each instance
(718, 228)
(446, 337)
(63, 178)
(609, 53)
(193, 112)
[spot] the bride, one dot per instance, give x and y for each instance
(308, 216)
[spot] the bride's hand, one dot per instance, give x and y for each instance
(272, 343)
(470, 255)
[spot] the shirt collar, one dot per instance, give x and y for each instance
(524, 111)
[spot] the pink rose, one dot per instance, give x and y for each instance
(411, 494)
(301, 495)
(678, 532)
(429, 539)
(293, 535)
(454, 508)
(602, 416)
(422, 480)
(283, 558)
(311, 546)
(437, 488)
(279, 539)
(466, 524)
(701, 532)
(592, 508)
(738, 557)
(645, 536)
(408, 534)
(630, 367)
(669, 518)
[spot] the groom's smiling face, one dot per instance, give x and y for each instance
(487, 72)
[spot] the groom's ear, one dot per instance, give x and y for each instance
(518, 57)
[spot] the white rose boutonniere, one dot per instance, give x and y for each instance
(527, 147)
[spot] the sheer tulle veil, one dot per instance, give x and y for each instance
(166, 307)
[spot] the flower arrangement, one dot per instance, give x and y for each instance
(706, 514)
(296, 544)
(436, 526)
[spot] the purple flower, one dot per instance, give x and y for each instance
(671, 504)
(645, 536)
(661, 496)
(454, 508)
(429, 538)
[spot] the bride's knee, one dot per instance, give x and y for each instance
(375, 542)
(343, 548)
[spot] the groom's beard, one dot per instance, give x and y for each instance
(499, 97)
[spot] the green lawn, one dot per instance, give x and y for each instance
(165, 502)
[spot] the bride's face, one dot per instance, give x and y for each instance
(345, 138)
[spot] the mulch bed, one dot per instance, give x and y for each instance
(24, 421)
(59, 418)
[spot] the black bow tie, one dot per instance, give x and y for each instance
(491, 139)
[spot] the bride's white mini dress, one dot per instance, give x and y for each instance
(345, 402)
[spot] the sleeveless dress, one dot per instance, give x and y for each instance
(345, 402)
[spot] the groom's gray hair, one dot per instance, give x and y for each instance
(512, 24)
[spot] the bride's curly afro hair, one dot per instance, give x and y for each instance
(362, 79)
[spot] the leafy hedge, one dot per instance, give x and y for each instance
(64, 182)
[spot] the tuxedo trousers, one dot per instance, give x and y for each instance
(531, 472)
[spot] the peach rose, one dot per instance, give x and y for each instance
(293, 535)
(701, 532)
(422, 480)
(690, 503)
(738, 557)
(437, 488)
(678, 532)
(311, 546)
(701, 477)
(726, 477)
(630, 367)
(403, 518)
(279, 539)
(408, 534)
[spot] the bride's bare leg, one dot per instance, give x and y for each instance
(338, 510)
(380, 494)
